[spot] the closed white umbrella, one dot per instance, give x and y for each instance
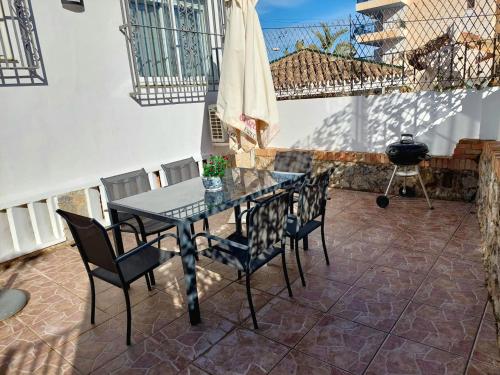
(246, 100)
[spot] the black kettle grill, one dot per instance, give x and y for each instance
(406, 155)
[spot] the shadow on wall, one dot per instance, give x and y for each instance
(370, 123)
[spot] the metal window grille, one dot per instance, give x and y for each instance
(408, 46)
(20, 59)
(174, 48)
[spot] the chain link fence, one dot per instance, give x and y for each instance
(407, 46)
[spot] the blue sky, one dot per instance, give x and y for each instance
(279, 13)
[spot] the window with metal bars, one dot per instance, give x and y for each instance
(174, 48)
(20, 59)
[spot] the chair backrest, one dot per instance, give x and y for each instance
(312, 196)
(91, 239)
(293, 161)
(266, 224)
(125, 185)
(181, 170)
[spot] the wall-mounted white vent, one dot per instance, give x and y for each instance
(217, 128)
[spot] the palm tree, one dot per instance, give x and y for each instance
(330, 41)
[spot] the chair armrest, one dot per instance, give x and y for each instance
(144, 245)
(136, 234)
(224, 241)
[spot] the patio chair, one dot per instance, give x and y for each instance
(128, 184)
(95, 248)
(265, 228)
(183, 170)
(310, 214)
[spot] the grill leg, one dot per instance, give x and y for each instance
(390, 182)
(424, 189)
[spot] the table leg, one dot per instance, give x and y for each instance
(117, 233)
(189, 265)
(237, 218)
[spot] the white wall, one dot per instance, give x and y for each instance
(369, 123)
(83, 125)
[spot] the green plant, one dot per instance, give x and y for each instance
(215, 166)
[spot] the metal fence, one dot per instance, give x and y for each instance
(410, 46)
(174, 48)
(20, 59)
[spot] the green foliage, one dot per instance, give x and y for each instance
(215, 166)
(345, 49)
(299, 45)
(328, 39)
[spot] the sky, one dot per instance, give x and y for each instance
(280, 13)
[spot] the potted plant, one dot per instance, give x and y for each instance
(213, 171)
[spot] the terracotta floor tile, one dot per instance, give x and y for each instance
(146, 357)
(447, 330)
(186, 341)
(242, 352)
(270, 278)
(490, 314)
(359, 250)
(463, 249)
(231, 302)
(399, 356)
(407, 259)
(319, 293)
(98, 346)
(342, 343)
(168, 273)
(466, 296)
(375, 309)
(468, 231)
(297, 363)
(112, 301)
(481, 368)
(154, 313)
(340, 269)
(192, 370)
(392, 281)
(376, 235)
(421, 241)
(285, 321)
(486, 349)
(208, 283)
(223, 270)
(23, 352)
(455, 268)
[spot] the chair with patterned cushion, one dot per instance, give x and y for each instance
(265, 240)
(100, 260)
(310, 214)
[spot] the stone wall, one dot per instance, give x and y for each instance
(446, 177)
(489, 220)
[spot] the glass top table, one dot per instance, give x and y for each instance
(187, 202)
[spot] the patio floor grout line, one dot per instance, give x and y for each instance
(411, 299)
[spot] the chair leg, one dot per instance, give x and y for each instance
(297, 256)
(239, 275)
(324, 243)
(250, 302)
(159, 241)
(147, 282)
(285, 272)
(292, 243)
(129, 314)
(206, 225)
(92, 293)
(306, 243)
(152, 278)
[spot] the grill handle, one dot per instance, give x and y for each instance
(407, 139)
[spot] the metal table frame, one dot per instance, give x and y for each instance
(187, 248)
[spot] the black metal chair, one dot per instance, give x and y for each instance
(183, 170)
(311, 206)
(265, 228)
(95, 248)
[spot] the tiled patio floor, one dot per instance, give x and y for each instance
(404, 294)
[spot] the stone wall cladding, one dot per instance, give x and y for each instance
(489, 220)
(445, 177)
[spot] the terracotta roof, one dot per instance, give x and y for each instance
(308, 67)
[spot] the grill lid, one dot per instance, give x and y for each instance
(407, 151)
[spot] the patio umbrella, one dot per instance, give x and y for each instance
(246, 100)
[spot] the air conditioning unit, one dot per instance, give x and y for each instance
(217, 128)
